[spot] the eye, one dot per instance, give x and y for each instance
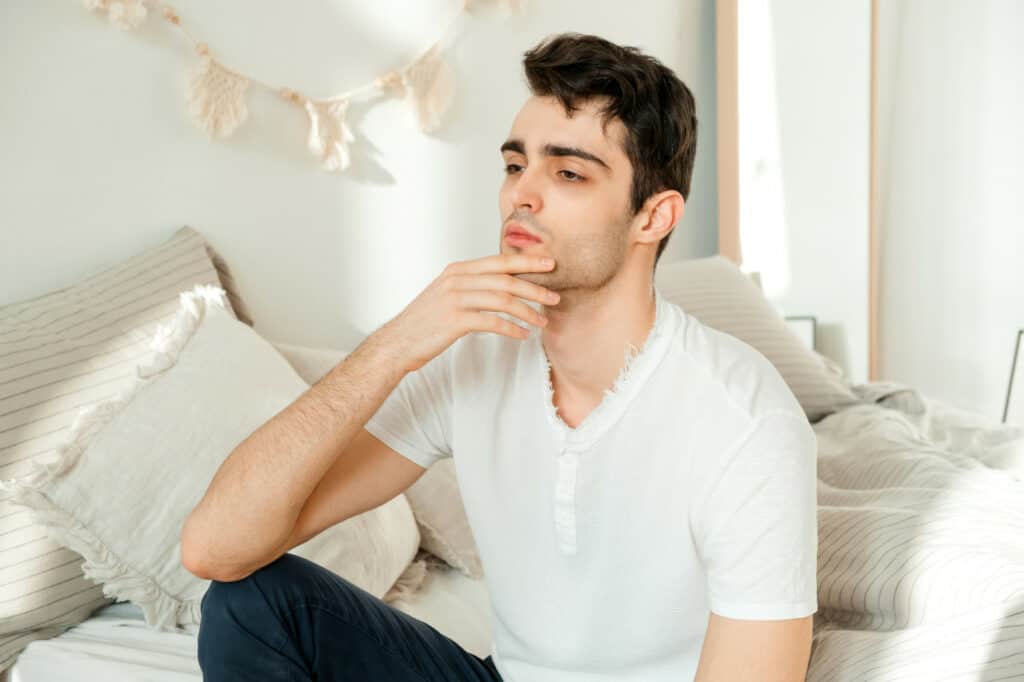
(576, 176)
(510, 166)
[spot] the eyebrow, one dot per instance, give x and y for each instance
(516, 145)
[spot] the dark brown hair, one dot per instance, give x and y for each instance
(655, 106)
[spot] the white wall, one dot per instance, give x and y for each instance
(101, 161)
(803, 97)
(952, 172)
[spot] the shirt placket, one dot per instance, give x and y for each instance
(565, 492)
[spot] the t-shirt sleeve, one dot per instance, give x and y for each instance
(757, 528)
(415, 419)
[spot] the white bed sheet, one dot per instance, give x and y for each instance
(115, 643)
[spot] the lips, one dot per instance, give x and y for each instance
(517, 229)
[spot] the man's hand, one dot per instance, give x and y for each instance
(454, 303)
(755, 650)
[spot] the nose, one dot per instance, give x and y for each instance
(526, 191)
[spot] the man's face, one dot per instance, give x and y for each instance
(578, 207)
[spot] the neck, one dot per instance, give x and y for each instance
(587, 337)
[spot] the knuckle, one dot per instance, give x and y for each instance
(449, 282)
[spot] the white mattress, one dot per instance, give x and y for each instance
(116, 644)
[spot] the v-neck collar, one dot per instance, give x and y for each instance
(631, 378)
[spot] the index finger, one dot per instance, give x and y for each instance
(503, 262)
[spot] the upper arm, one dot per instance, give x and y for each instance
(764, 650)
(416, 419)
(755, 523)
(366, 474)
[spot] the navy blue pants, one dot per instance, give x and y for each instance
(295, 620)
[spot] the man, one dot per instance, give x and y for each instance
(641, 487)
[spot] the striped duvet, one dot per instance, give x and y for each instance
(921, 543)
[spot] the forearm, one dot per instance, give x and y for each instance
(253, 500)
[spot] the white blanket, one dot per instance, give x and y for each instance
(921, 543)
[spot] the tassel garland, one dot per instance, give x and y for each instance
(216, 95)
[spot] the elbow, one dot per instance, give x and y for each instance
(192, 556)
(196, 558)
(195, 554)
(196, 562)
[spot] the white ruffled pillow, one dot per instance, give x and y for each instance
(133, 467)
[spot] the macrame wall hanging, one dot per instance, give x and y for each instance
(216, 94)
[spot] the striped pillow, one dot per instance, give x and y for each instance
(61, 352)
(720, 295)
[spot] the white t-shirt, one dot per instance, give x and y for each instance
(691, 487)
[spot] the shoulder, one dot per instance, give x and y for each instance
(739, 371)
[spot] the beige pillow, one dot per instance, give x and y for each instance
(831, 366)
(61, 352)
(720, 295)
(444, 528)
(435, 498)
(134, 466)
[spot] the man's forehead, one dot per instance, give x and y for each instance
(543, 121)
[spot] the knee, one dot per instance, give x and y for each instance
(240, 619)
(245, 603)
(223, 609)
(235, 614)
(222, 597)
(226, 610)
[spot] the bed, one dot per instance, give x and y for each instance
(921, 562)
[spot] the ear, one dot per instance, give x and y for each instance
(661, 212)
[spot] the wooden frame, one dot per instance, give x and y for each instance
(727, 64)
(727, 76)
(873, 278)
